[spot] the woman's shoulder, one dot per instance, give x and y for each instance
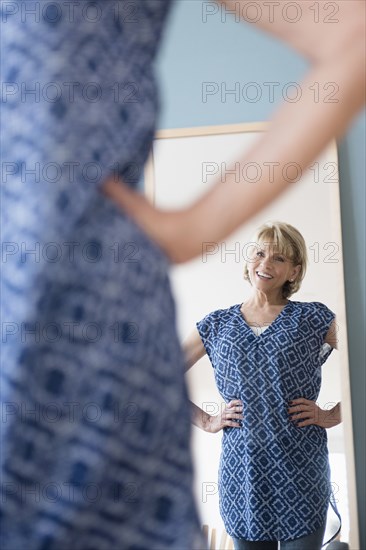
(311, 305)
(221, 312)
(314, 308)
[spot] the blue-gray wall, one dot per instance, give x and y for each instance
(194, 52)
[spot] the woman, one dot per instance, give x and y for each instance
(267, 354)
(92, 370)
(88, 312)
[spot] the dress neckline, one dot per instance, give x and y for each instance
(269, 327)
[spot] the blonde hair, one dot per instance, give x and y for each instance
(287, 241)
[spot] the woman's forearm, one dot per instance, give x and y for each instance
(199, 417)
(333, 416)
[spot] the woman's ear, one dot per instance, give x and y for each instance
(295, 272)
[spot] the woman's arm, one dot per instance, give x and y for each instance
(331, 337)
(298, 133)
(193, 350)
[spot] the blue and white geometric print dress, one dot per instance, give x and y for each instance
(274, 478)
(95, 414)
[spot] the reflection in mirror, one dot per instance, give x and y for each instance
(215, 299)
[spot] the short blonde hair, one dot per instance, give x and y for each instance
(287, 241)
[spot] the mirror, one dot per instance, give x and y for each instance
(183, 164)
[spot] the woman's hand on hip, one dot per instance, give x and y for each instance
(308, 413)
(170, 230)
(226, 419)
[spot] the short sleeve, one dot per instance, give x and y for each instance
(208, 329)
(322, 319)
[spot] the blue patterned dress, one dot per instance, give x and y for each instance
(95, 415)
(274, 477)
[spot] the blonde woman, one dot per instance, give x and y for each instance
(267, 354)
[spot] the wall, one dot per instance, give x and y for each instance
(194, 52)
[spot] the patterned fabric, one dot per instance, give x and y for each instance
(274, 478)
(92, 371)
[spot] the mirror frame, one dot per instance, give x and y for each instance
(149, 190)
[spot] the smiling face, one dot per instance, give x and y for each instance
(269, 270)
(276, 260)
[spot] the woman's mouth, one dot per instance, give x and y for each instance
(264, 276)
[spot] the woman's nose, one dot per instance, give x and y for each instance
(265, 262)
